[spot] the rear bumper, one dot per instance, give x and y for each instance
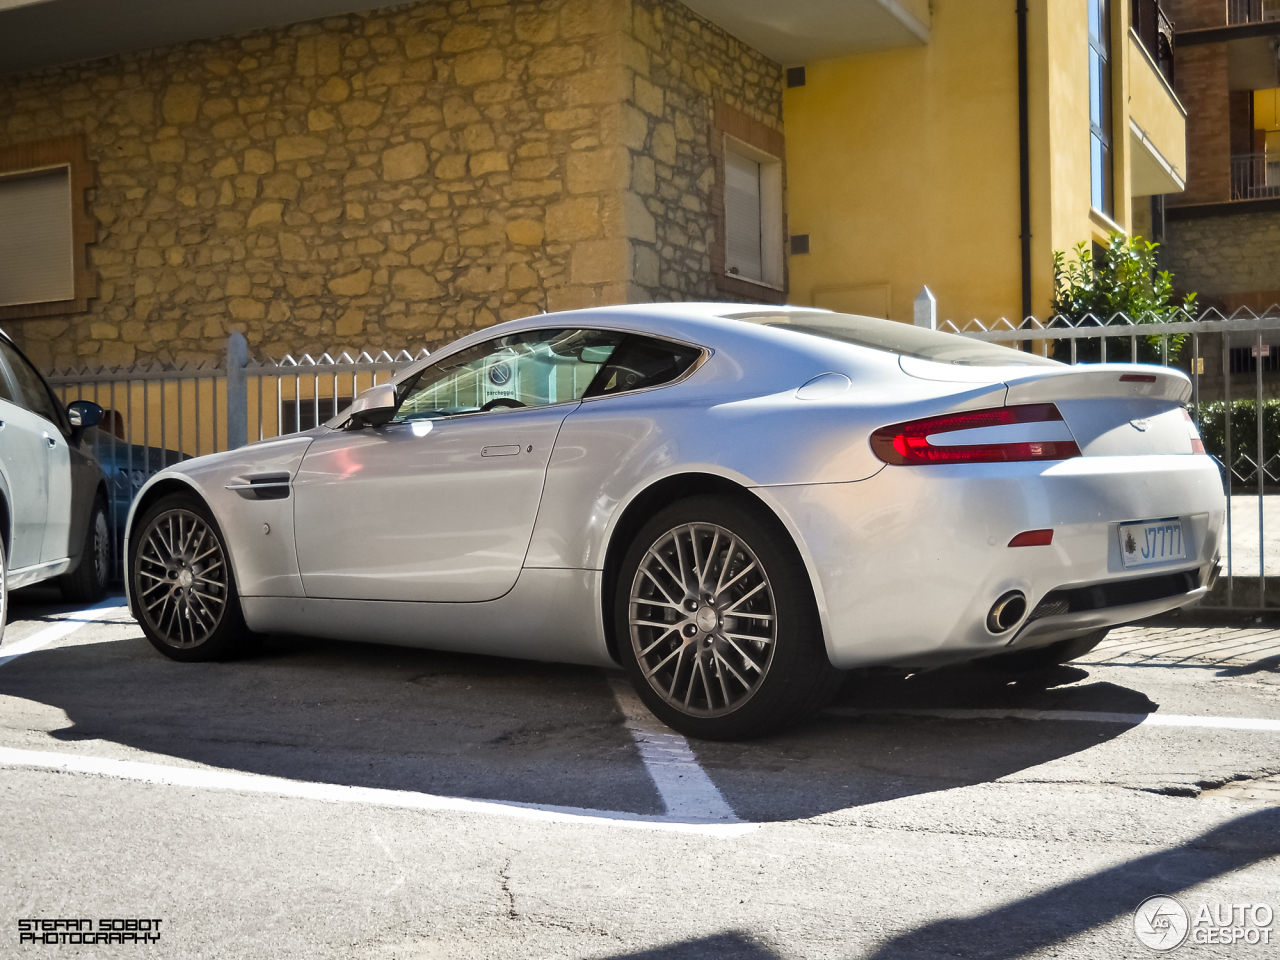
(906, 564)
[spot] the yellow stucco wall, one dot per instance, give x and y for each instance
(1154, 107)
(903, 166)
(903, 169)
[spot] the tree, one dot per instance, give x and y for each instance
(1126, 281)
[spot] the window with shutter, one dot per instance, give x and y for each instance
(45, 228)
(743, 255)
(36, 251)
(748, 258)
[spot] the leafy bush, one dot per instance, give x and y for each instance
(1244, 429)
(1086, 293)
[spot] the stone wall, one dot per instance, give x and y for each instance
(678, 66)
(1229, 261)
(378, 180)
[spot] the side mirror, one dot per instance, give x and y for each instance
(373, 408)
(84, 414)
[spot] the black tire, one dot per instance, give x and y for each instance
(181, 583)
(1044, 658)
(87, 583)
(4, 589)
(726, 630)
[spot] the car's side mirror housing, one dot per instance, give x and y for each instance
(83, 414)
(373, 408)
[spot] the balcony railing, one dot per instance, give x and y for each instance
(1155, 30)
(1253, 177)
(1252, 11)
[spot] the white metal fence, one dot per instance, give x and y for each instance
(159, 415)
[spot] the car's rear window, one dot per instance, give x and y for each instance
(899, 338)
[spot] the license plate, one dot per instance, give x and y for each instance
(1151, 541)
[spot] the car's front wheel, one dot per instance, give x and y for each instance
(180, 577)
(716, 622)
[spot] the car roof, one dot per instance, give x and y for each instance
(702, 324)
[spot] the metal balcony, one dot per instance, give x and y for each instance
(1155, 30)
(1253, 177)
(1252, 11)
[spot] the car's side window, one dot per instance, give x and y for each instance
(641, 362)
(533, 368)
(35, 395)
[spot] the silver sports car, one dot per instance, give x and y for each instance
(734, 503)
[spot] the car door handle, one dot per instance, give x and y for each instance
(52, 442)
(506, 450)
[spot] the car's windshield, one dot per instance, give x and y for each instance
(899, 338)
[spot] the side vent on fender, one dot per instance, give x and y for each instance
(263, 486)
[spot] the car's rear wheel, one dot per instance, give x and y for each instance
(87, 583)
(1042, 658)
(183, 590)
(716, 622)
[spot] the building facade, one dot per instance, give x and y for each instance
(1222, 235)
(394, 177)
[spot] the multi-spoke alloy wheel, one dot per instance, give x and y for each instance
(181, 578)
(716, 623)
(703, 619)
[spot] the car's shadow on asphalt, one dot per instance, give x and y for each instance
(517, 731)
(844, 757)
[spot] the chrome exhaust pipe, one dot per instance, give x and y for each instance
(1007, 612)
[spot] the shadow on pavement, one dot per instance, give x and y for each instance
(729, 946)
(834, 762)
(510, 730)
(1040, 921)
(1266, 665)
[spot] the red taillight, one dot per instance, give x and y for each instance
(1032, 538)
(1197, 445)
(908, 443)
(1137, 378)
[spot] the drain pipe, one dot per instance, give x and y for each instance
(1024, 164)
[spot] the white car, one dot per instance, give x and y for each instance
(733, 502)
(53, 498)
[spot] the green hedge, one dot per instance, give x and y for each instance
(1244, 428)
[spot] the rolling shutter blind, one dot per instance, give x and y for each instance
(35, 239)
(742, 217)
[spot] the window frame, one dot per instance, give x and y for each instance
(772, 234)
(27, 159)
(737, 132)
(704, 353)
(1100, 52)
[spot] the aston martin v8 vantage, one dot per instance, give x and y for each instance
(734, 503)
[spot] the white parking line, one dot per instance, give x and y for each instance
(1077, 716)
(66, 625)
(685, 788)
(204, 778)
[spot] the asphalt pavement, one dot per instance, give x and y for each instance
(322, 799)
